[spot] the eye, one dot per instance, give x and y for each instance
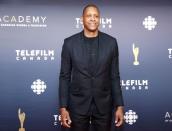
(89, 15)
(96, 16)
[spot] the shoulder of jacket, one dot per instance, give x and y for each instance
(110, 40)
(68, 42)
(107, 36)
(72, 37)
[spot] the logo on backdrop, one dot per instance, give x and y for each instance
(38, 86)
(168, 117)
(104, 23)
(130, 117)
(57, 119)
(135, 84)
(23, 21)
(170, 53)
(136, 54)
(21, 117)
(149, 23)
(34, 55)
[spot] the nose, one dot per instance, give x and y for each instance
(92, 18)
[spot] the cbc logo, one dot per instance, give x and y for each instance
(130, 117)
(38, 86)
(149, 23)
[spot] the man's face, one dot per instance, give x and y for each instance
(91, 19)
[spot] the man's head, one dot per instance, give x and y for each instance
(91, 17)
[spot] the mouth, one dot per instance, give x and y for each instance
(92, 24)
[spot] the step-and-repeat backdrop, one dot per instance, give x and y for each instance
(31, 38)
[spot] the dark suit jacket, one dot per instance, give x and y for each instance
(77, 86)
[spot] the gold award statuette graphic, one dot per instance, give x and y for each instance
(136, 54)
(21, 118)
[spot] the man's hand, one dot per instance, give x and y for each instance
(119, 116)
(65, 118)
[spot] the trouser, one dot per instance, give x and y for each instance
(92, 121)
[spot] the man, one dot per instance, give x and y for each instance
(89, 82)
